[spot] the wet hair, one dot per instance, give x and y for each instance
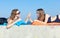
(40, 9)
(14, 13)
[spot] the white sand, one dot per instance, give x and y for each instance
(29, 31)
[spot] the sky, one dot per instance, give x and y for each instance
(51, 7)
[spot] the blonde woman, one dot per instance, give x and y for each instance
(15, 18)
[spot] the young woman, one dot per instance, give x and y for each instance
(42, 18)
(15, 19)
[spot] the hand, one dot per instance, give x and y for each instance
(7, 27)
(28, 16)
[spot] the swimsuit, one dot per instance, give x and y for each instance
(57, 19)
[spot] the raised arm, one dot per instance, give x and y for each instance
(28, 18)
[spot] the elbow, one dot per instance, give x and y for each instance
(8, 26)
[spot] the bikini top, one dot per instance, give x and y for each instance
(57, 19)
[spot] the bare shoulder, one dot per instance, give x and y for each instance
(47, 15)
(59, 16)
(9, 20)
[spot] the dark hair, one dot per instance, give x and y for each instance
(13, 13)
(39, 14)
(3, 20)
(40, 9)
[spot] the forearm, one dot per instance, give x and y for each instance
(8, 26)
(31, 20)
(26, 20)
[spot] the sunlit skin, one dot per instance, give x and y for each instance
(40, 15)
(12, 21)
(28, 18)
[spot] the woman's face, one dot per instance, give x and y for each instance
(40, 13)
(17, 15)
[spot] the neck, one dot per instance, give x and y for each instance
(41, 18)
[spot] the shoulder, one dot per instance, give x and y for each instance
(59, 16)
(9, 20)
(47, 15)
